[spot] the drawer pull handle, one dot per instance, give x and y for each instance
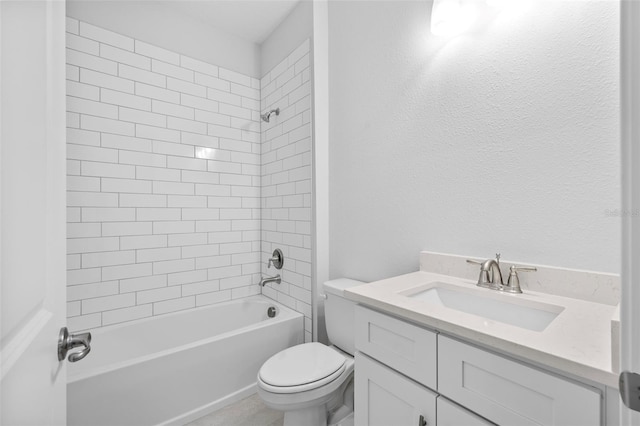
(422, 421)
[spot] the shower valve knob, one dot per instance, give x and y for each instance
(277, 259)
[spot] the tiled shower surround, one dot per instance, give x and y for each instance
(286, 180)
(164, 181)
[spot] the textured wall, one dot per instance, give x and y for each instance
(286, 180)
(504, 139)
(163, 180)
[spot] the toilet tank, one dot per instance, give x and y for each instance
(339, 314)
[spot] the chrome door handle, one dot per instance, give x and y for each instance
(68, 341)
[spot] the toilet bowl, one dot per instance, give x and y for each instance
(307, 382)
(313, 383)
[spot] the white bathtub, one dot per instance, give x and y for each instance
(174, 368)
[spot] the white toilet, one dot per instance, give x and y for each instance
(313, 383)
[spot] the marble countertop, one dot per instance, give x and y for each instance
(576, 342)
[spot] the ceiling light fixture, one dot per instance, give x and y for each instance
(452, 17)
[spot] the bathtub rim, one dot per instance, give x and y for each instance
(284, 313)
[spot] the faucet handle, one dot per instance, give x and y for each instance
(276, 260)
(474, 262)
(523, 268)
(513, 283)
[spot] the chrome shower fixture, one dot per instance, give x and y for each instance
(267, 115)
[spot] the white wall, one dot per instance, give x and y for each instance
(292, 31)
(506, 139)
(163, 180)
(287, 180)
(164, 26)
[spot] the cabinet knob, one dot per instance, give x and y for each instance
(422, 421)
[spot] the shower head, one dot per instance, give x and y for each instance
(267, 115)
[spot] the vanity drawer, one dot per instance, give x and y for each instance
(509, 393)
(404, 347)
(450, 414)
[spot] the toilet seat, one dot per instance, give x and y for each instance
(301, 368)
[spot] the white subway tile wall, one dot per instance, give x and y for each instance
(286, 179)
(164, 181)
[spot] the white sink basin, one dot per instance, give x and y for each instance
(503, 308)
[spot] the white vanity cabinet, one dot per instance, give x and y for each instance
(450, 414)
(510, 393)
(405, 347)
(384, 397)
(404, 371)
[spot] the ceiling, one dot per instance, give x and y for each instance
(252, 20)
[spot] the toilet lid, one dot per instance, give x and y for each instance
(302, 364)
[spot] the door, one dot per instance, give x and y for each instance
(630, 126)
(32, 211)
(384, 397)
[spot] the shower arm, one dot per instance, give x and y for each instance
(267, 115)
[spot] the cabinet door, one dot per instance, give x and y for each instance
(450, 414)
(509, 393)
(384, 397)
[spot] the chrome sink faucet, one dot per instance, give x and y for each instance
(491, 275)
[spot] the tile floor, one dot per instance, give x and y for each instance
(250, 412)
(246, 412)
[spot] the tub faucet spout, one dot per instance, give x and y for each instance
(266, 280)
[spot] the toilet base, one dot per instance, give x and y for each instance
(330, 410)
(344, 421)
(311, 416)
